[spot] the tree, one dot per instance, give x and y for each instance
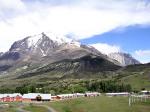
(79, 89)
(21, 90)
(32, 89)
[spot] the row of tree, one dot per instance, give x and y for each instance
(99, 86)
(108, 86)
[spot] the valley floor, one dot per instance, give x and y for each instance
(92, 104)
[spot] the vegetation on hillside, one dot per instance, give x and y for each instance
(131, 78)
(80, 86)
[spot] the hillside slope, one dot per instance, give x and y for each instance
(138, 76)
(80, 67)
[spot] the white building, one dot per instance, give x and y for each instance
(146, 92)
(88, 94)
(36, 97)
(118, 94)
(66, 96)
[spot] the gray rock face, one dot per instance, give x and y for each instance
(38, 45)
(124, 59)
(1, 53)
(7, 59)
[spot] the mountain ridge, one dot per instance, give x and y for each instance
(40, 50)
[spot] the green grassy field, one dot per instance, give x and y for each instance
(138, 81)
(100, 104)
(97, 104)
(13, 107)
(34, 108)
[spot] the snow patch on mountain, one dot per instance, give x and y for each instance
(32, 41)
(59, 39)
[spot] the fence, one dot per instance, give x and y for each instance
(138, 98)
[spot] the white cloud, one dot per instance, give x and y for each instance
(13, 5)
(83, 18)
(106, 48)
(142, 55)
(8, 8)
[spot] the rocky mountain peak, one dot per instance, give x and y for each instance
(29, 42)
(42, 44)
(60, 39)
(123, 58)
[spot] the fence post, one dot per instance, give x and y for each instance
(129, 100)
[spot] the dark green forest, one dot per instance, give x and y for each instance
(81, 86)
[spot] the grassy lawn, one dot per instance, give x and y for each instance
(34, 108)
(99, 104)
(10, 108)
(138, 81)
(30, 107)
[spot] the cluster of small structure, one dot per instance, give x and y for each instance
(17, 97)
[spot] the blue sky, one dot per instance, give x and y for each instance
(131, 40)
(123, 26)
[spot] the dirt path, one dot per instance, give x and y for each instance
(20, 108)
(48, 108)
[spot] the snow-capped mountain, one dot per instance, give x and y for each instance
(41, 48)
(38, 45)
(41, 44)
(47, 48)
(124, 59)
